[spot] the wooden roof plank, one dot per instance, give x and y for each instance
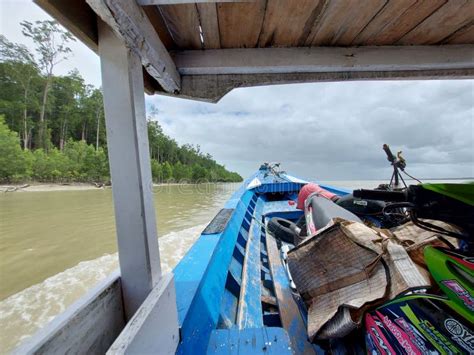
(240, 23)
(341, 22)
(285, 21)
(449, 18)
(174, 2)
(154, 15)
(463, 36)
(395, 20)
(183, 23)
(209, 25)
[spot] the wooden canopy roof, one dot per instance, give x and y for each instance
(203, 49)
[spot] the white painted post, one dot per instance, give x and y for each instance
(129, 158)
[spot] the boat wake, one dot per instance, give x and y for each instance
(23, 313)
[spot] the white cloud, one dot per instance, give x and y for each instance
(333, 130)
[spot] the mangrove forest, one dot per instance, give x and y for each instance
(52, 127)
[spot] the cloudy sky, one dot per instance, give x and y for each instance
(323, 131)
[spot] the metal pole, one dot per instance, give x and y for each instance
(129, 158)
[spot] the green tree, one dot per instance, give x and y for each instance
(50, 167)
(199, 173)
(180, 172)
(20, 69)
(156, 171)
(167, 172)
(96, 103)
(13, 164)
(60, 151)
(66, 111)
(51, 46)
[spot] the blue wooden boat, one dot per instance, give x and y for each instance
(231, 293)
(233, 290)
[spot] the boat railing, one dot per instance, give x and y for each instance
(96, 323)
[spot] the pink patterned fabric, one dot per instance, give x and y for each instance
(310, 188)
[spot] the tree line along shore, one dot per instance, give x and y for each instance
(52, 128)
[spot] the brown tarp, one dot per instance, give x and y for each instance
(346, 268)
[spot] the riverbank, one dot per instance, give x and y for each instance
(46, 187)
(75, 186)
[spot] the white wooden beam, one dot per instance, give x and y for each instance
(130, 23)
(211, 88)
(154, 328)
(177, 2)
(89, 325)
(323, 59)
(129, 159)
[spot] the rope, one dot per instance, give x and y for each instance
(414, 178)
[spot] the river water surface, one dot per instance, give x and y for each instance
(54, 246)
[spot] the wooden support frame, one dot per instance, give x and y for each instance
(154, 327)
(323, 59)
(127, 141)
(211, 88)
(89, 325)
(130, 23)
(209, 75)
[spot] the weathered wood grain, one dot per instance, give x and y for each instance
(341, 21)
(449, 18)
(285, 21)
(395, 20)
(240, 23)
(153, 329)
(158, 23)
(183, 24)
(90, 325)
(211, 88)
(210, 25)
(130, 23)
(172, 2)
(464, 35)
(323, 59)
(129, 157)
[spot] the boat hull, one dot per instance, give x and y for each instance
(233, 290)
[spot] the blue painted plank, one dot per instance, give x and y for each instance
(278, 187)
(250, 306)
(278, 206)
(239, 253)
(189, 272)
(235, 268)
(290, 315)
(228, 314)
(220, 343)
(249, 341)
(203, 313)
